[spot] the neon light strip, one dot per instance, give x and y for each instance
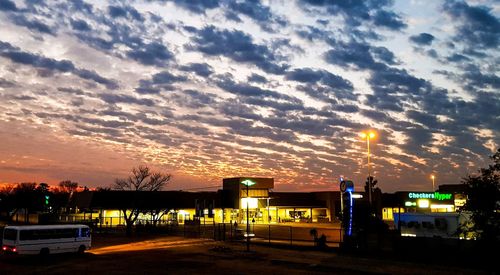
(349, 230)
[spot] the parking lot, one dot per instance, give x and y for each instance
(177, 255)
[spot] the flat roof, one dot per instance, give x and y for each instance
(55, 226)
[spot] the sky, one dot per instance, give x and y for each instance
(209, 89)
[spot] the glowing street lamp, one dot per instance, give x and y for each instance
(368, 135)
(433, 177)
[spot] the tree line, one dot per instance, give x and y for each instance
(30, 197)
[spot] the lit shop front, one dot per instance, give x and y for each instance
(418, 202)
(237, 197)
(265, 206)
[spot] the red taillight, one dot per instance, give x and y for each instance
(14, 249)
(4, 248)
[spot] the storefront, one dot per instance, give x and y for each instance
(417, 202)
(237, 197)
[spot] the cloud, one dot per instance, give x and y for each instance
(244, 89)
(124, 11)
(308, 75)
(7, 5)
(75, 91)
(237, 46)
(274, 104)
(256, 78)
(475, 25)
(33, 24)
(397, 80)
(193, 99)
(166, 78)
(423, 39)
(389, 20)
(474, 77)
(254, 9)
(235, 108)
(255, 88)
(153, 53)
(357, 12)
(427, 120)
(121, 98)
(352, 54)
(18, 56)
(87, 74)
(384, 55)
(201, 69)
(197, 6)
(4, 83)
(80, 25)
(457, 58)
(305, 125)
(159, 81)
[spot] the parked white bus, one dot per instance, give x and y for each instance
(46, 239)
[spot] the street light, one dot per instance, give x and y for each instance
(433, 177)
(368, 135)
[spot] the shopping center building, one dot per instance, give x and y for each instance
(265, 206)
(227, 205)
(447, 199)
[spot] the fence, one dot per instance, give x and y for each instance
(271, 233)
(284, 234)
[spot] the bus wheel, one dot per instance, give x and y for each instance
(44, 252)
(81, 249)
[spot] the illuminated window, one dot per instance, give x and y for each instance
(252, 203)
(442, 208)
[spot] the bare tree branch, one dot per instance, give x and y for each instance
(141, 179)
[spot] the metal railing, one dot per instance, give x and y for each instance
(270, 233)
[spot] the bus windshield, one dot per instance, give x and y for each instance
(10, 234)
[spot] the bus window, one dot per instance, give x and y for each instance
(10, 234)
(85, 232)
(27, 235)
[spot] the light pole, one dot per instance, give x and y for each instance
(433, 188)
(368, 136)
(248, 183)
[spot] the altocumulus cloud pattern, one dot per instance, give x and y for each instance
(210, 89)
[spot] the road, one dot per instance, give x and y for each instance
(284, 232)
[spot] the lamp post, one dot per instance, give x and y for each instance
(433, 188)
(248, 183)
(369, 135)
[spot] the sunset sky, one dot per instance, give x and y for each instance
(209, 89)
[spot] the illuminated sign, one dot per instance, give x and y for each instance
(423, 203)
(248, 182)
(436, 195)
(346, 186)
(410, 203)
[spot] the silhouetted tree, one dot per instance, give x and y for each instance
(483, 200)
(367, 183)
(61, 195)
(142, 179)
(68, 186)
(26, 198)
(43, 187)
(7, 202)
